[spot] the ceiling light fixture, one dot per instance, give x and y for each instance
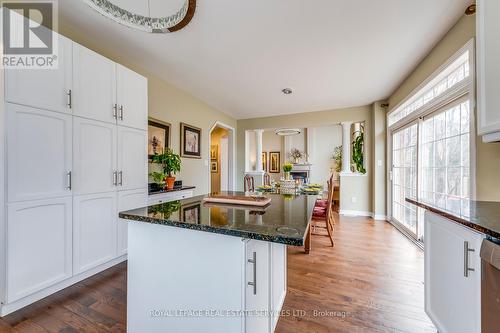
(287, 131)
(287, 91)
(163, 24)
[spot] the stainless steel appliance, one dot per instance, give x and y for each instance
(490, 287)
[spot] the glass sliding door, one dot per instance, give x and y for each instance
(404, 176)
(446, 158)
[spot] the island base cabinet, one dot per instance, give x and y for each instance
(452, 275)
(38, 246)
(182, 280)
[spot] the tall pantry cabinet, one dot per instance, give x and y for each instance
(75, 154)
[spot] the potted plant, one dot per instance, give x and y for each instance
(287, 167)
(171, 164)
(358, 151)
(297, 155)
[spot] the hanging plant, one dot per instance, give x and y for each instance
(337, 158)
(358, 150)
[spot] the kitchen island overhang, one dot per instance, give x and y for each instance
(195, 267)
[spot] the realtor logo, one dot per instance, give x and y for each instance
(27, 32)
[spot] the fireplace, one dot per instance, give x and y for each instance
(302, 175)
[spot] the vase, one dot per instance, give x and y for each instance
(170, 182)
(296, 160)
(287, 176)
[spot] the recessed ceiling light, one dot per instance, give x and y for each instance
(287, 91)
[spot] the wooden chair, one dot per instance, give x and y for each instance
(248, 183)
(323, 212)
(267, 179)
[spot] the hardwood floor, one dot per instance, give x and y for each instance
(371, 281)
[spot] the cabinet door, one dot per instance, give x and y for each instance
(132, 158)
(488, 53)
(94, 156)
(38, 245)
(257, 295)
(128, 200)
(452, 300)
(94, 85)
(43, 88)
(94, 234)
(278, 279)
(132, 97)
(38, 153)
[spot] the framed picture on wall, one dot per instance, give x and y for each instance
(274, 162)
(213, 152)
(158, 137)
(190, 141)
(214, 168)
(264, 161)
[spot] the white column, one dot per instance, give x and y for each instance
(258, 150)
(346, 146)
(247, 151)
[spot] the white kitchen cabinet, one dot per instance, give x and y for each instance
(39, 235)
(128, 200)
(94, 85)
(94, 230)
(159, 198)
(488, 69)
(132, 98)
(38, 153)
(47, 89)
(452, 275)
(94, 156)
(257, 285)
(278, 280)
(132, 158)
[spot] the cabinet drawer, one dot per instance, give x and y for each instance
(155, 199)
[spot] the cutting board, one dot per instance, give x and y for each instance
(243, 200)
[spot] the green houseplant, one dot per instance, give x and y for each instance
(287, 167)
(358, 150)
(171, 164)
(337, 158)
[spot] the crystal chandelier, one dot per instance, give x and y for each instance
(164, 24)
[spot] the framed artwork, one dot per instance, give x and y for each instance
(274, 162)
(192, 213)
(213, 152)
(264, 161)
(158, 137)
(190, 141)
(214, 168)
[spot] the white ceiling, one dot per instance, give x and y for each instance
(238, 55)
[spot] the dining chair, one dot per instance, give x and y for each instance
(248, 184)
(323, 212)
(267, 179)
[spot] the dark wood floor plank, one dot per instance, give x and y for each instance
(371, 281)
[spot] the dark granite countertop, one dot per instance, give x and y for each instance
(153, 192)
(284, 220)
(482, 216)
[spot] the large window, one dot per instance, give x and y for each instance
(431, 144)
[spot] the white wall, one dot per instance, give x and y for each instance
(324, 139)
(272, 142)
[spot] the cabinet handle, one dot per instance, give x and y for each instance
(121, 112)
(115, 178)
(467, 250)
(115, 113)
(120, 177)
(254, 283)
(70, 98)
(69, 181)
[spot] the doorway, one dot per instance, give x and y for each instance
(221, 165)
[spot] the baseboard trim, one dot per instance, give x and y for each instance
(6, 309)
(378, 217)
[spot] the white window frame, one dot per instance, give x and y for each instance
(467, 87)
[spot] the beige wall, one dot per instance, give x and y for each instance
(379, 139)
(270, 143)
(172, 105)
(488, 155)
(359, 187)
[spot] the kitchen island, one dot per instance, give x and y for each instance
(204, 267)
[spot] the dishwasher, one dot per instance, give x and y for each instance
(490, 287)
